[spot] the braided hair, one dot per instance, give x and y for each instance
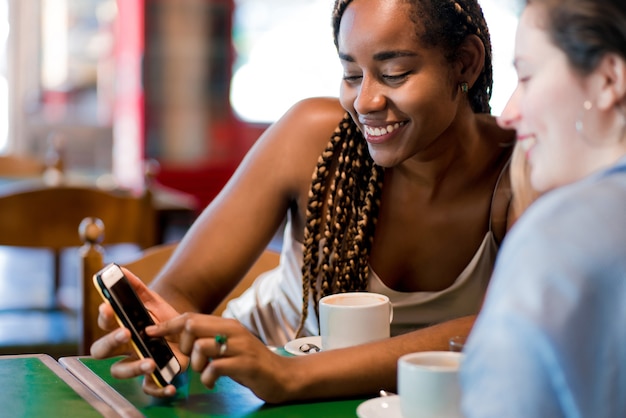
(346, 188)
(341, 214)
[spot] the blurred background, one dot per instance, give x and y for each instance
(106, 91)
(188, 83)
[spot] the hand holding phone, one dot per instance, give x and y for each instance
(131, 313)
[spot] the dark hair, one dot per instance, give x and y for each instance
(346, 188)
(341, 213)
(445, 24)
(586, 30)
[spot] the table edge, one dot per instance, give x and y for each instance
(99, 387)
(77, 385)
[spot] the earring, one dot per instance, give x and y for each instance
(580, 127)
(464, 87)
(587, 105)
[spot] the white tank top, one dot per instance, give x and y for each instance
(271, 307)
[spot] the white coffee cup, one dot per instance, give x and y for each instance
(428, 384)
(348, 319)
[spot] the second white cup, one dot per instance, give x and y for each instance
(428, 384)
(348, 319)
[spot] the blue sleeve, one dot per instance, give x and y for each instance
(504, 373)
(550, 340)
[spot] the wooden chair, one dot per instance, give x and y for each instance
(46, 217)
(146, 268)
(13, 165)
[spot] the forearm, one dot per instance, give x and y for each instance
(366, 369)
(206, 267)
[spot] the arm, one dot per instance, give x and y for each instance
(366, 369)
(237, 226)
(353, 371)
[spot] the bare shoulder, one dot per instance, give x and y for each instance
(318, 108)
(286, 154)
(491, 131)
(313, 117)
(301, 134)
(304, 130)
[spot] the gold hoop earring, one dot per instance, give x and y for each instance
(464, 87)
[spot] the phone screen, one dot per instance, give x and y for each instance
(140, 318)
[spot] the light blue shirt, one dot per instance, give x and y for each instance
(550, 340)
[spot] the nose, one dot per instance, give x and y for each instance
(510, 115)
(370, 97)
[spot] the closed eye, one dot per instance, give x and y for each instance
(396, 77)
(352, 77)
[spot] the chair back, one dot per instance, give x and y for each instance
(13, 165)
(268, 260)
(39, 216)
(46, 217)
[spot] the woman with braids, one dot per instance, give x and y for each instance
(400, 188)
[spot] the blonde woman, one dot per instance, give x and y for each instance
(550, 340)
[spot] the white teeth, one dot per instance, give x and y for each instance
(527, 143)
(371, 131)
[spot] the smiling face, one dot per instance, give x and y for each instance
(401, 93)
(546, 106)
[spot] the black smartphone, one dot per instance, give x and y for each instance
(131, 313)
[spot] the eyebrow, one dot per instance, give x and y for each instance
(381, 56)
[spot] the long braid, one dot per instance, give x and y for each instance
(341, 214)
(312, 230)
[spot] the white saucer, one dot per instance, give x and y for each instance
(293, 347)
(382, 407)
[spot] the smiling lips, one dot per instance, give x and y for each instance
(527, 143)
(377, 132)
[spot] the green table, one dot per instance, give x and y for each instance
(227, 399)
(36, 385)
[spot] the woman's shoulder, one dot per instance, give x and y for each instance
(309, 122)
(589, 211)
(490, 130)
(304, 130)
(315, 111)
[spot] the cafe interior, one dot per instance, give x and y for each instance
(152, 103)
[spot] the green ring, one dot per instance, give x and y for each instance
(221, 339)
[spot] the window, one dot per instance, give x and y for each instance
(58, 56)
(286, 53)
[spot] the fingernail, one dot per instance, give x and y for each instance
(120, 336)
(146, 366)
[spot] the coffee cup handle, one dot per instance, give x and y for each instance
(390, 312)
